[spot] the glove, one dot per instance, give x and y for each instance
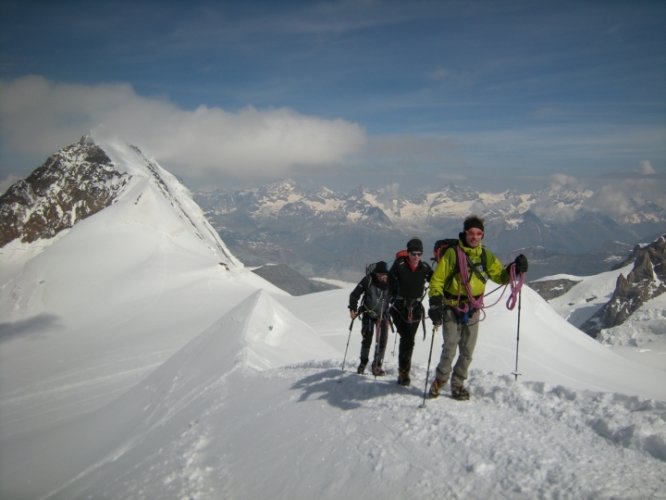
(521, 264)
(353, 313)
(435, 314)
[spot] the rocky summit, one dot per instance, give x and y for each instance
(646, 280)
(75, 183)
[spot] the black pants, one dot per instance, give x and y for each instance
(368, 326)
(407, 320)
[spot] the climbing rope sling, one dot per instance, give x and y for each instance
(516, 282)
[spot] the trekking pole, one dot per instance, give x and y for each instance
(395, 336)
(378, 336)
(516, 373)
(423, 324)
(425, 389)
(351, 325)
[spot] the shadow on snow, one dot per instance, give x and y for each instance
(349, 391)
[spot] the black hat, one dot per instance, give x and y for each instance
(380, 268)
(415, 245)
(473, 221)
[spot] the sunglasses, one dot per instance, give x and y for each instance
(416, 254)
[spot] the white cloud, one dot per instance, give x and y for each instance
(622, 197)
(38, 116)
(563, 181)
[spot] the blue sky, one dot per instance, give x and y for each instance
(485, 93)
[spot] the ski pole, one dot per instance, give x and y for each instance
(516, 373)
(351, 325)
(425, 389)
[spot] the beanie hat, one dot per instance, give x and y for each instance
(415, 245)
(380, 268)
(473, 221)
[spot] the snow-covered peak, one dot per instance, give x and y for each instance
(98, 213)
(87, 177)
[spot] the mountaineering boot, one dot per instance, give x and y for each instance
(377, 369)
(459, 392)
(403, 378)
(361, 368)
(436, 387)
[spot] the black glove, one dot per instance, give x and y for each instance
(436, 310)
(521, 264)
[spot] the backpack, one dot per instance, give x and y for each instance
(442, 245)
(369, 268)
(375, 300)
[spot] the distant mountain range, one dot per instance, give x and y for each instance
(332, 234)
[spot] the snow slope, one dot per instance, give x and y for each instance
(211, 422)
(134, 365)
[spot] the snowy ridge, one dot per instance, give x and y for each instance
(131, 160)
(273, 336)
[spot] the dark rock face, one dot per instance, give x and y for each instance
(75, 183)
(646, 280)
(552, 288)
(290, 280)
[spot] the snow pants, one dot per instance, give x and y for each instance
(457, 336)
(368, 327)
